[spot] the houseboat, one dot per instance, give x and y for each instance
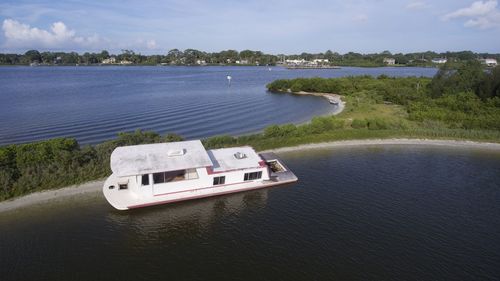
(152, 174)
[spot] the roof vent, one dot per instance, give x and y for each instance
(239, 155)
(176, 152)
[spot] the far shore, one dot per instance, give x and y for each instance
(96, 186)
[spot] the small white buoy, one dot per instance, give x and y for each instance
(229, 79)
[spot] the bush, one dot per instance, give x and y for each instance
(377, 124)
(58, 162)
(219, 142)
(358, 124)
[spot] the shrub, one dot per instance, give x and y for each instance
(219, 141)
(358, 124)
(377, 124)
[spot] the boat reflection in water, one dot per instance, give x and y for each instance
(192, 215)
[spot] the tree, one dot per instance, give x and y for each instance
(32, 56)
(104, 54)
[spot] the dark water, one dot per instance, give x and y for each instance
(93, 104)
(370, 213)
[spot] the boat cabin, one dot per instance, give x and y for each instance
(147, 174)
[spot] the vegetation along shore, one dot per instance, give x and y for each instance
(457, 104)
(327, 59)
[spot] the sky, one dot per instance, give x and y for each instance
(271, 26)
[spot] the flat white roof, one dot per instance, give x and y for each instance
(224, 159)
(159, 157)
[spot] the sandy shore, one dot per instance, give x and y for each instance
(330, 97)
(95, 186)
(49, 195)
(452, 143)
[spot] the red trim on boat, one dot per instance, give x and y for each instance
(202, 188)
(207, 195)
(211, 171)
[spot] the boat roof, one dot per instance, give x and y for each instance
(159, 157)
(224, 159)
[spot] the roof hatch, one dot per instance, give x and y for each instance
(176, 152)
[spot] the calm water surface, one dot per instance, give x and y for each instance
(93, 104)
(366, 213)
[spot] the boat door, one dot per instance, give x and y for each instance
(146, 185)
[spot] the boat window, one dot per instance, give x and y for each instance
(191, 174)
(145, 179)
(122, 186)
(252, 176)
(159, 177)
(219, 180)
(173, 176)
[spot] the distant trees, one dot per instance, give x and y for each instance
(470, 77)
(31, 56)
(192, 56)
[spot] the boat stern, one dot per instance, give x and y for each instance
(117, 193)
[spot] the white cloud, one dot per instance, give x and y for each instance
(20, 35)
(417, 5)
(59, 37)
(480, 14)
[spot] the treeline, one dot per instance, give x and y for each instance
(173, 57)
(249, 57)
(408, 59)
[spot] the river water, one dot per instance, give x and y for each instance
(93, 104)
(360, 213)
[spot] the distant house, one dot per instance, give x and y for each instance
(243, 61)
(110, 60)
(124, 62)
(201, 62)
(490, 62)
(295, 62)
(319, 61)
(439, 60)
(389, 61)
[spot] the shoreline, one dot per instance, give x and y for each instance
(44, 196)
(336, 108)
(398, 141)
(96, 186)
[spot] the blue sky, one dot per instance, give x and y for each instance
(272, 26)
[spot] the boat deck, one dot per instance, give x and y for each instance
(285, 176)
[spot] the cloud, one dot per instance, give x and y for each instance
(20, 35)
(417, 5)
(480, 14)
(59, 37)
